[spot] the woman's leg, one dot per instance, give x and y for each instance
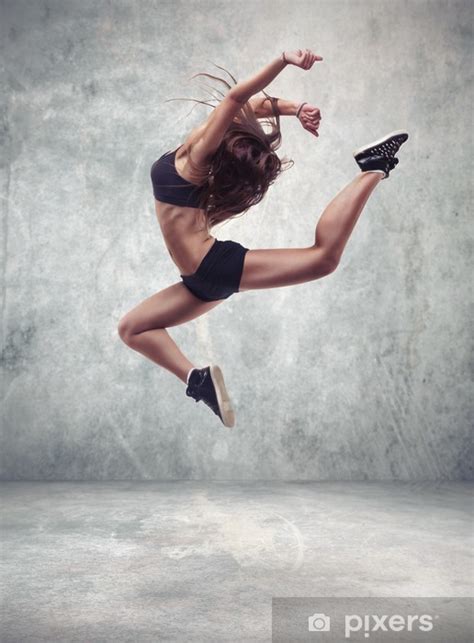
(288, 266)
(144, 327)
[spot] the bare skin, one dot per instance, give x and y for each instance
(188, 240)
(144, 327)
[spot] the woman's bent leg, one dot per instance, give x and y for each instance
(339, 218)
(278, 267)
(143, 328)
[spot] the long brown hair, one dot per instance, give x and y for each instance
(244, 165)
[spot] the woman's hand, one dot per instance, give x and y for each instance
(303, 58)
(310, 117)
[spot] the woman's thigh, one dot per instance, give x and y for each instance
(169, 307)
(274, 267)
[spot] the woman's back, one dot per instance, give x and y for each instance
(183, 224)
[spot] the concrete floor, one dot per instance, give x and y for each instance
(201, 561)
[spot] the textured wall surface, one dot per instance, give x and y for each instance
(361, 375)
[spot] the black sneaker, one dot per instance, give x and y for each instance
(387, 146)
(207, 384)
(377, 164)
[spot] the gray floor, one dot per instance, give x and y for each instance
(201, 561)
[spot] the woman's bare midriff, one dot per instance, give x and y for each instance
(184, 230)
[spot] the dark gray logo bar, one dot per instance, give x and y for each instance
(375, 620)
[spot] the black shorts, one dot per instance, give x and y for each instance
(218, 275)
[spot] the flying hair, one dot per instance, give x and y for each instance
(245, 164)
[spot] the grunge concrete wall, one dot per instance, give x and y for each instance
(362, 375)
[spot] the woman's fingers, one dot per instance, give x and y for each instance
(304, 58)
(311, 119)
(310, 127)
(310, 59)
(307, 59)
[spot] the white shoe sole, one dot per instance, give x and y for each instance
(384, 139)
(376, 171)
(223, 400)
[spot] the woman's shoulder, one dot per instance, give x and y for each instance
(191, 172)
(193, 137)
(185, 151)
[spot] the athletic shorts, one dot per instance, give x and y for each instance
(218, 275)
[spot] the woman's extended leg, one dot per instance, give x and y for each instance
(288, 266)
(143, 328)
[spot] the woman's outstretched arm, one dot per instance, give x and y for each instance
(308, 115)
(245, 89)
(262, 106)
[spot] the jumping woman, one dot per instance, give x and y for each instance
(225, 166)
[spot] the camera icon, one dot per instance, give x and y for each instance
(319, 623)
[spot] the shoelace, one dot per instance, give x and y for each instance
(389, 148)
(389, 165)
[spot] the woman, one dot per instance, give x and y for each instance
(223, 168)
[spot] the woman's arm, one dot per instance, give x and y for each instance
(308, 115)
(262, 106)
(247, 88)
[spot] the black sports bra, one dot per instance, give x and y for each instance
(169, 186)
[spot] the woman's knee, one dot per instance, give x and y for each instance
(129, 330)
(126, 330)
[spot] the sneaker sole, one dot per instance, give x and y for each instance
(384, 139)
(223, 400)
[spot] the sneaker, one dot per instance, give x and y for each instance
(377, 164)
(387, 146)
(207, 384)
